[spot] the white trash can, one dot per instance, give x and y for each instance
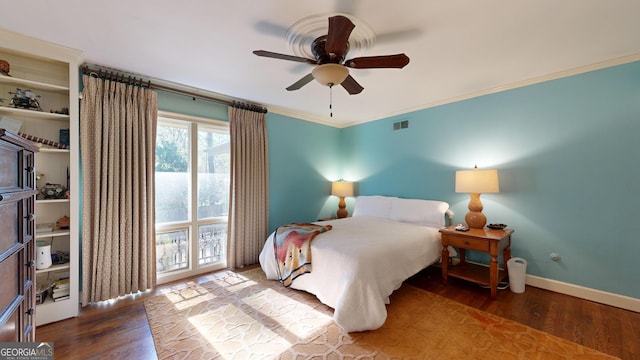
(517, 270)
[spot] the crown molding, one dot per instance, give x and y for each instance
(536, 80)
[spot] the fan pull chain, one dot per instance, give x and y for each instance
(330, 100)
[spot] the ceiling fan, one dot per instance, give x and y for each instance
(330, 51)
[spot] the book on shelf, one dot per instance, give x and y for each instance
(60, 292)
(60, 289)
(61, 284)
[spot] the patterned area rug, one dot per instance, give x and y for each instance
(241, 315)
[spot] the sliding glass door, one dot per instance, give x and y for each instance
(192, 196)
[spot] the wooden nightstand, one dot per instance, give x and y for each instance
(484, 240)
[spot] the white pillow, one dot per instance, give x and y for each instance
(417, 211)
(374, 206)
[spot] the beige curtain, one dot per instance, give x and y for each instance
(117, 138)
(249, 205)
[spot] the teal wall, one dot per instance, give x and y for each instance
(567, 154)
(304, 158)
(186, 105)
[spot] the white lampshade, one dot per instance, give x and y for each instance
(342, 188)
(333, 74)
(477, 181)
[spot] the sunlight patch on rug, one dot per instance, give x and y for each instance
(253, 321)
(190, 297)
(230, 328)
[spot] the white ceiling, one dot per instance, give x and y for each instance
(457, 48)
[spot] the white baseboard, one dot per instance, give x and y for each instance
(603, 297)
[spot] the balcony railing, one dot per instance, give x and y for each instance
(172, 250)
(213, 242)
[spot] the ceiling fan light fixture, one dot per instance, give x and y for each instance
(330, 74)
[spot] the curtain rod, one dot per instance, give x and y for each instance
(136, 80)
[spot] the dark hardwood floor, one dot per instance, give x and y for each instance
(605, 328)
(119, 330)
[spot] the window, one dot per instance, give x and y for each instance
(192, 196)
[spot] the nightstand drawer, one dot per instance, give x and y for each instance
(467, 242)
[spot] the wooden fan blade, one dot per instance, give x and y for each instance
(300, 83)
(340, 28)
(397, 61)
(351, 85)
(283, 56)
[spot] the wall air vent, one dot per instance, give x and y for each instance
(404, 124)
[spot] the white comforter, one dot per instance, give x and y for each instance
(359, 263)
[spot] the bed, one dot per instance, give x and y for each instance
(364, 258)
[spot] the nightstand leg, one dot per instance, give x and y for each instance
(445, 263)
(506, 255)
(493, 276)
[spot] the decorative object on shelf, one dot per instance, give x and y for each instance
(42, 291)
(63, 223)
(53, 191)
(60, 257)
(4, 67)
(63, 111)
(26, 99)
(10, 124)
(41, 296)
(43, 255)
(64, 137)
(342, 189)
(44, 141)
(476, 182)
(44, 228)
